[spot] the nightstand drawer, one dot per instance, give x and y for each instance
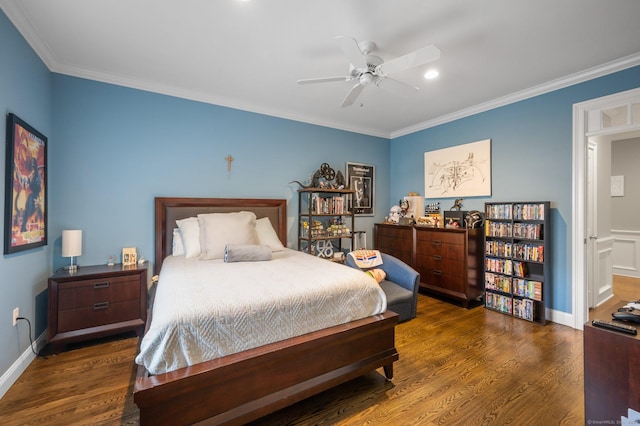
(100, 313)
(86, 293)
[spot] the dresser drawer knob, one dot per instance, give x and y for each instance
(437, 272)
(100, 305)
(103, 284)
(437, 242)
(437, 257)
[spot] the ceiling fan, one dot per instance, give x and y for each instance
(367, 69)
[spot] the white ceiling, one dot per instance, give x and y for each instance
(248, 55)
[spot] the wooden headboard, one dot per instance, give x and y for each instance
(168, 210)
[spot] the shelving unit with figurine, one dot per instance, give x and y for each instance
(516, 261)
(324, 219)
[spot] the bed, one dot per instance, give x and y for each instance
(244, 386)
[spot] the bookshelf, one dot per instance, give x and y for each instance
(517, 258)
(324, 220)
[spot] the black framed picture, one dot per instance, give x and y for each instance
(362, 179)
(25, 218)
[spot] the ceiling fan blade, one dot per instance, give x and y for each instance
(352, 95)
(352, 51)
(323, 80)
(396, 87)
(413, 59)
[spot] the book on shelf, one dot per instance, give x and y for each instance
(527, 288)
(499, 302)
(523, 308)
(529, 211)
(531, 252)
(328, 205)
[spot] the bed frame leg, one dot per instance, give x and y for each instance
(388, 371)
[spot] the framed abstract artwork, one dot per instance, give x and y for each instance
(362, 179)
(459, 171)
(25, 219)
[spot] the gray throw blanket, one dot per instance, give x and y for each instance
(246, 253)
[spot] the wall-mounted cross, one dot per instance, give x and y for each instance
(229, 159)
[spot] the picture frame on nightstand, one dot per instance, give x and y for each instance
(129, 256)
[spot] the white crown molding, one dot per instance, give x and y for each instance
(18, 18)
(570, 80)
(12, 9)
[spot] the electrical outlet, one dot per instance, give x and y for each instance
(16, 314)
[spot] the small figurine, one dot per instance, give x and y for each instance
(404, 207)
(457, 204)
(394, 214)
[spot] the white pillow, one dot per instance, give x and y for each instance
(220, 229)
(190, 233)
(267, 236)
(177, 249)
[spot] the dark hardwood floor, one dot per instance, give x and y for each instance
(457, 367)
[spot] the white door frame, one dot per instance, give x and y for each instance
(587, 123)
(591, 223)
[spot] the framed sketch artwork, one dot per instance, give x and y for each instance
(25, 203)
(459, 171)
(362, 179)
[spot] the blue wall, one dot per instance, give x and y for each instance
(113, 149)
(118, 148)
(531, 144)
(25, 90)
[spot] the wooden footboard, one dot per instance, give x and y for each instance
(242, 387)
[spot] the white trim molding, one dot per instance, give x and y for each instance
(626, 256)
(17, 368)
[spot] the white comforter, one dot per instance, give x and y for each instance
(208, 309)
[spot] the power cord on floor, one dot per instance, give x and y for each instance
(30, 339)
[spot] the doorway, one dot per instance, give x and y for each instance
(611, 117)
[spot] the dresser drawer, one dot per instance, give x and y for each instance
(447, 280)
(395, 240)
(435, 236)
(87, 293)
(426, 250)
(450, 267)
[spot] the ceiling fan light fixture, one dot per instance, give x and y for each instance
(431, 74)
(366, 78)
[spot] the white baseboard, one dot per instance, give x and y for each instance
(563, 318)
(17, 368)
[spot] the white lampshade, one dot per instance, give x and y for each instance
(71, 243)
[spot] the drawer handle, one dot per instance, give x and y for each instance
(437, 257)
(437, 272)
(437, 242)
(100, 305)
(103, 284)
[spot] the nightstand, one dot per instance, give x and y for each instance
(96, 301)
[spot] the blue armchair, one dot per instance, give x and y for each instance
(400, 285)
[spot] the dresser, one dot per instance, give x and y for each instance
(396, 240)
(96, 301)
(449, 260)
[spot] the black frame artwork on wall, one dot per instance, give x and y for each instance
(25, 219)
(362, 179)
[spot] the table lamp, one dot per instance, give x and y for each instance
(71, 246)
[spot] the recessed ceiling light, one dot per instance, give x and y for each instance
(431, 74)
